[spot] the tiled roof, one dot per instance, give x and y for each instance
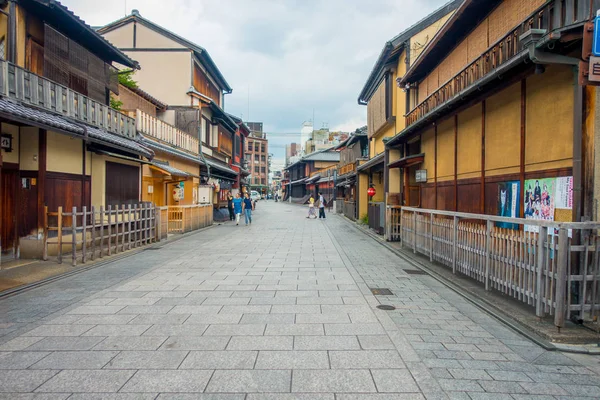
(220, 166)
(324, 155)
(171, 150)
(170, 169)
(15, 111)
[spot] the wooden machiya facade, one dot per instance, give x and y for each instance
(354, 151)
(501, 116)
(311, 174)
(182, 74)
(386, 107)
(60, 139)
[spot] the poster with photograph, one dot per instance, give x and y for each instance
(508, 203)
(539, 201)
(564, 193)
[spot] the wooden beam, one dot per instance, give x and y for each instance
(482, 189)
(435, 173)
(456, 162)
(41, 180)
(522, 146)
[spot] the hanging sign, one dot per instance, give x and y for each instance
(6, 142)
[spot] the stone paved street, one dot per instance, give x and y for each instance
(278, 310)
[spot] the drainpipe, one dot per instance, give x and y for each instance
(12, 31)
(530, 41)
(200, 142)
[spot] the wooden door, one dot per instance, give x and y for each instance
(8, 191)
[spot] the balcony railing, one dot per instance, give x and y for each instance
(157, 129)
(347, 168)
(324, 171)
(40, 92)
(552, 15)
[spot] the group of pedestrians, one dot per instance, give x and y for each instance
(239, 205)
(320, 204)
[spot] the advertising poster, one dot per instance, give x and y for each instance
(539, 200)
(508, 203)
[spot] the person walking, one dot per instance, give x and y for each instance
(321, 206)
(248, 207)
(230, 206)
(311, 208)
(237, 207)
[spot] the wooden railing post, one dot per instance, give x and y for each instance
(74, 235)
(157, 224)
(401, 227)
(45, 254)
(488, 245)
(541, 257)
(128, 226)
(415, 232)
(561, 278)
(101, 231)
(431, 237)
(84, 235)
(60, 232)
(454, 243)
(93, 214)
(109, 212)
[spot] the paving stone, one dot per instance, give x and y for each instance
(261, 343)
(105, 319)
(366, 359)
(23, 380)
(354, 329)
(543, 388)
(117, 330)
(195, 343)
(235, 330)
(220, 360)
(86, 381)
(176, 330)
(158, 319)
(460, 385)
(244, 381)
(582, 390)
(326, 343)
(180, 396)
(292, 360)
(338, 381)
(290, 396)
(474, 374)
(65, 343)
(394, 381)
(375, 342)
(20, 360)
(502, 387)
(268, 319)
(35, 396)
(58, 330)
(131, 343)
(75, 360)
(175, 381)
(509, 376)
(294, 329)
(147, 360)
(322, 318)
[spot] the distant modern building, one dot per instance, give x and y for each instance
(257, 155)
(291, 150)
(305, 135)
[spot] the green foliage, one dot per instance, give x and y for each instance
(126, 79)
(116, 104)
(364, 219)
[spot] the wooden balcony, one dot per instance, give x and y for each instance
(324, 172)
(347, 168)
(555, 14)
(31, 89)
(155, 128)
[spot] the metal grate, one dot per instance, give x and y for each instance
(382, 292)
(386, 307)
(415, 272)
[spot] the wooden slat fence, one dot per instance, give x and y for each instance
(183, 219)
(88, 234)
(550, 266)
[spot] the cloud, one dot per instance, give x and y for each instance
(291, 56)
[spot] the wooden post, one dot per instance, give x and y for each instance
(454, 243)
(488, 249)
(93, 214)
(541, 256)
(431, 237)
(561, 278)
(84, 235)
(45, 254)
(74, 235)
(414, 232)
(401, 230)
(129, 226)
(122, 227)
(101, 231)
(158, 226)
(109, 212)
(59, 237)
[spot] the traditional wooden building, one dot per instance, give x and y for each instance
(311, 174)
(62, 145)
(240, 163)
(182, 74)
(354, 151)
(499, 118)
(386, 105)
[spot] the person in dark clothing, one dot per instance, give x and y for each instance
(248, 207)
(321, 206)
(230, 206)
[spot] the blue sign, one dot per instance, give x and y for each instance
(596, 44)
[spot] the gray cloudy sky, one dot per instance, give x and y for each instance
(292, 56)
